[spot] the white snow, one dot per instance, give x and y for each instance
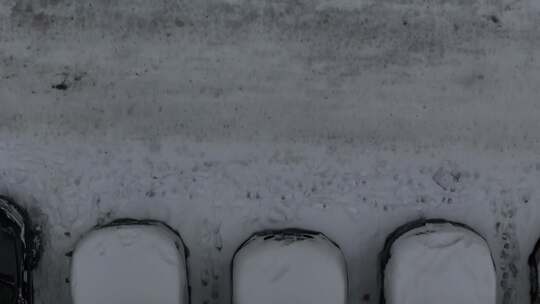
(130, 264)
(440, 263)
(289, 271)
(335, 116)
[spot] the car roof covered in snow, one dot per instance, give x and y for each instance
(129, 264)
(439, 263)
(291, 267)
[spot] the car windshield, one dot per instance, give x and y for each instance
(8, 258)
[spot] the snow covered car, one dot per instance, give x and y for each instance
(19, 253)
(130, 262)
(436, 261)
(289, 267)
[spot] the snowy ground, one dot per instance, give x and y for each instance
(216, 195)
(225, 117)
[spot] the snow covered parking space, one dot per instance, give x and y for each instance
(129, 264)
(439, 263)
(289, 267)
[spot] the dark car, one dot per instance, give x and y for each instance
(19, 253)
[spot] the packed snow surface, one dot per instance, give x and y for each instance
(289, 270)
(440, 264)
(132, 264)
